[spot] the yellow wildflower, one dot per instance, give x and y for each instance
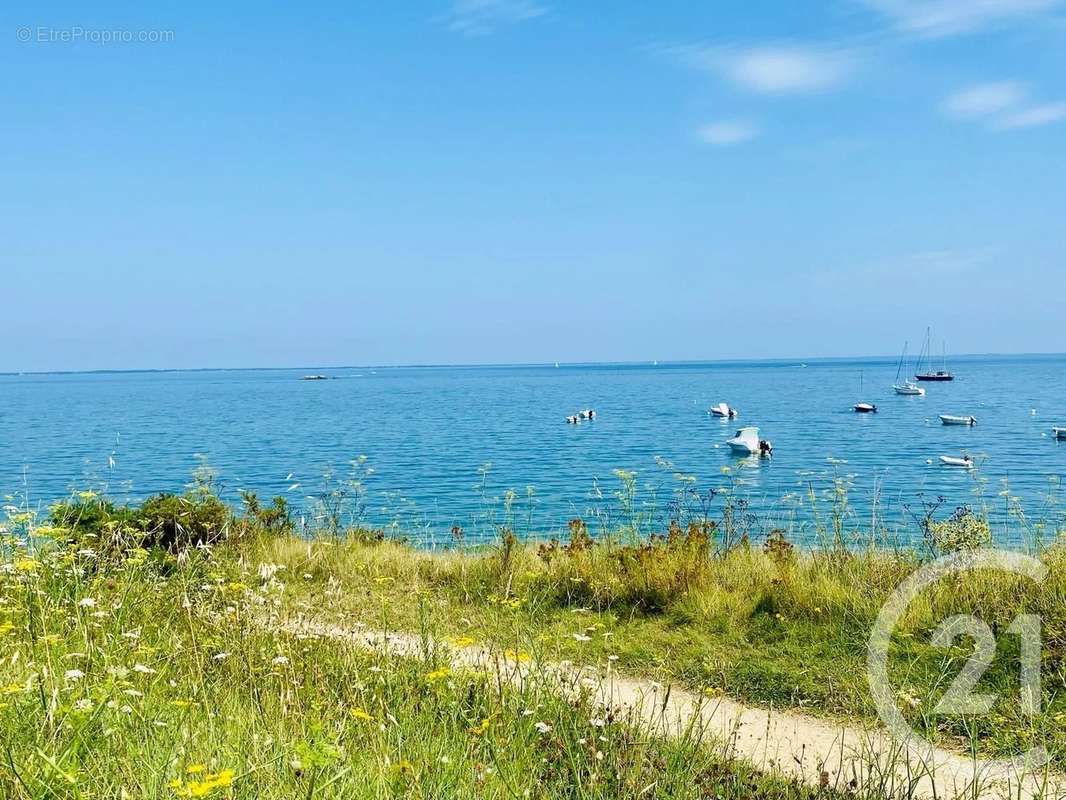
(403, 767)
(203, 788)
(521, 656)
(463, 641)
(438, 674)
(359, 713)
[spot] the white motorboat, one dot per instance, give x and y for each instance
(1060, 433)
(907, 387)
(956, 461)
(724, 410)
(951, 419)
(747, 442)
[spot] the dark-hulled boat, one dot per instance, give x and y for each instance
(927, 356)
(939, 375)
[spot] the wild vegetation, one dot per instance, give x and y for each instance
(147, 652)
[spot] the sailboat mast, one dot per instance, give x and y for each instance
(902, 358)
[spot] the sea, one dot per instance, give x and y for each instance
(438, 453)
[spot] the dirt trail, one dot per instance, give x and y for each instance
(799, 746)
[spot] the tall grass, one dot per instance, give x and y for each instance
(136, 659)
(158, 674)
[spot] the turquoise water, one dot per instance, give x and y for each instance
(428, 435)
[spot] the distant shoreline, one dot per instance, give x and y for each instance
(776, 361)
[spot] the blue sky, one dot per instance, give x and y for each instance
(467, 181)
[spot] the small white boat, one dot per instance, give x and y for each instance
(724, 410)
(747, 442)
(909, 388)
(862, 407)
(314, 377)
(951, 419)
(956, 461)
(1060, 433)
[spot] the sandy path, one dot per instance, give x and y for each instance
(809, 749)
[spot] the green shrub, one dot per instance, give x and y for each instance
(647, 576)
(169, 521)
(178, 522)
(963, 530)
(87, 516)
(273, 518)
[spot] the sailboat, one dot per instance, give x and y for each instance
(860, 407)
(931, 375)
(908, 387)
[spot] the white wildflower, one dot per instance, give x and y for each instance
(543, 727)
(74, 674)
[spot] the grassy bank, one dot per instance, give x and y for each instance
(148, 673)
(135, 656)
(768, 625)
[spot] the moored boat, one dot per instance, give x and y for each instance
(939, 375)
(724, 410)
(956, 461)
(952, 419)
(908, 388)
(747, 442)
(930, 374)
(1060, 433)
(863, 407)
(905, 387)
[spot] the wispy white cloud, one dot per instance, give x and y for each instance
(773, 69)
(1033, 116)
(939, 18)
(984, 99)
(1003, 105)
(481, 17)
(728, 132)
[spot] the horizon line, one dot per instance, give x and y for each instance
(504, 364)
